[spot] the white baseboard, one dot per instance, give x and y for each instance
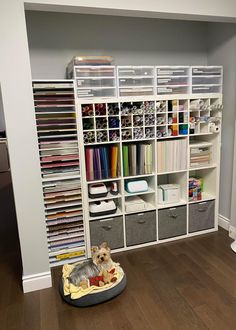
(223, 222)
(36, 282)
(232, 232)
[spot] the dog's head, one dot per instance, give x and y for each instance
(101, 254)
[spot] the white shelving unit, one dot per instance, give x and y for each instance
(177, 134)
(60, 168)
(157, 223)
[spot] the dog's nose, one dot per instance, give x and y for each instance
(102, 258)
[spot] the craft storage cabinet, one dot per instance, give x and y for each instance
(134, 170)
(60, 168)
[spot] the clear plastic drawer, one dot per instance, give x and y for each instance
(126, 82)
(96, 92)
(172, 71)
(136, 91)
(135, 71)
(163, 81)
(206, 70)
(94, 82)
(95, 71)
(172, 90)
(206, 89)
(206, 80)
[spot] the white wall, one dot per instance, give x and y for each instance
(222, 50)
(17, 98)
(54, 38)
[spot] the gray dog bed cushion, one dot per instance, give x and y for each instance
(95, 297)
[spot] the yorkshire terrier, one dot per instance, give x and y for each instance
(101, 260)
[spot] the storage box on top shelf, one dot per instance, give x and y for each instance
(172, 80)
(87, 60)
(207, 79)
(94, 76)
(135, 80)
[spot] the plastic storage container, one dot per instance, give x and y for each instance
(206, 70)
(166, 81)
(172, 70)
(172, 90)
(96, 82)
(206, 89)
(95, 71)
(126, 82)
(127, 71)
(96, 92)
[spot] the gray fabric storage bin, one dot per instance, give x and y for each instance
(107, 230)
(140, 228)
(201, 216)
(172, 222)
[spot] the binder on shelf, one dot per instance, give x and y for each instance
(125, 160)
(133, 159)
(89, 163)
(114, 161)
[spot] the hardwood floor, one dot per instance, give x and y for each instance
(189, 284)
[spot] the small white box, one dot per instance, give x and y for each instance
(135, 204)
(170, 193)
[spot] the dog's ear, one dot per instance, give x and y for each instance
(105, 246)
(94, 249)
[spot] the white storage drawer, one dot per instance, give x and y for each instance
(206, 80)
(95, 71)
(135, 91)
(123, 82)
(96, 92)
(206, 89)
(92, 82)
(172, 81)
(172, 90)
(135, 71)
(207, 70)
(172, 71)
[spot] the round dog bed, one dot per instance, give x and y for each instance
(96, 297)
